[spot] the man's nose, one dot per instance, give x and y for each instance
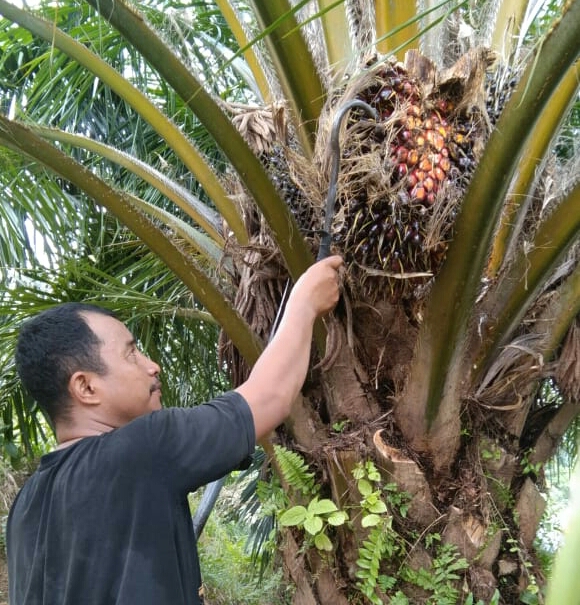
(152, 368)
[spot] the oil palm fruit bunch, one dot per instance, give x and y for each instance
(265, 131)
(499, 85)
(278, 166)
(403, 176)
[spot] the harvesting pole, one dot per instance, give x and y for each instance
(326, 238)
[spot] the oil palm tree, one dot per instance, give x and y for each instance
(410, 467)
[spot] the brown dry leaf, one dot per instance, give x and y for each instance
(568, 366)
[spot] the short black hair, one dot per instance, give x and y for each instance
(51, 347)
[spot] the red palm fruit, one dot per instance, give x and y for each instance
(413, 123)
(414, 110)
(439, 174)
(408, 88)
(418, 192)
(437, 117)
(402, 170)
(412, 157)
(438, 141)
(445, 164)
(428, 184)
(425, 164)
(401, 154)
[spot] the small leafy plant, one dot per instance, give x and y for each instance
(529, 467)
(372, 504)
(382, 541)
(397, 499)
(494, 599)
(371, 553)
(314, 519)
(315, 516)
(295, 471)
(318, 514)
(442, 577)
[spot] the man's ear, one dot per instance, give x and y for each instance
(81, 387)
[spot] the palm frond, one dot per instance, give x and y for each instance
(12, 134)
(278, 216)
(440, 345)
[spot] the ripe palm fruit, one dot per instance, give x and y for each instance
(427, 133)
(395, 226)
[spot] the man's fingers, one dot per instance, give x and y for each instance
(335, 261)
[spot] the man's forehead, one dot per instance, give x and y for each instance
(108, 329)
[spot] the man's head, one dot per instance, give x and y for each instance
(80, 354)
(50, 348)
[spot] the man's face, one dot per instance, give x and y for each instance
(130, 387)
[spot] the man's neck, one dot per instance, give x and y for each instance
(68, 434)
(64, 444)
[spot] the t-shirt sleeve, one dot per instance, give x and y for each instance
(194, 446)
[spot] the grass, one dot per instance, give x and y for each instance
(8, 490)
(229, 575)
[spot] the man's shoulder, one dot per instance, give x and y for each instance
(230, 402)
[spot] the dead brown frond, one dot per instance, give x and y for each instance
(257, 295)
(517, 365)
(261, 127)
(567, 371)
(334, 343)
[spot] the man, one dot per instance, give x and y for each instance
(105, 518)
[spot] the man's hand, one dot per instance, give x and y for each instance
(318, 289)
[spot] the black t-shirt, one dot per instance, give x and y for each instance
(106, 520)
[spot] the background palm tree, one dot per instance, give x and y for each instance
(456, 211)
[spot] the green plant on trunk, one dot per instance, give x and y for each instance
(397, 499)
(380, 543)
(494, 600)
(317, 514)
(372, 504)
(314, 519)
(532, 593)
(440, 580)
(530, 468)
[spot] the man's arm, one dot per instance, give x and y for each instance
(279, 373)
